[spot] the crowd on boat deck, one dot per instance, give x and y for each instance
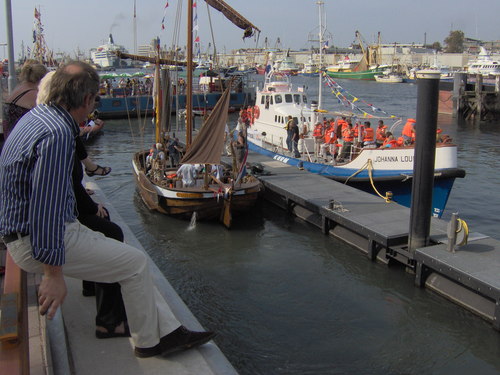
(125, 87)
(165, 156)
(341, 140)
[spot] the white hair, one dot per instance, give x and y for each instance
(44, 88)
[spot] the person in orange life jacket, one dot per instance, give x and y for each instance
(389, 141)
(368, 136)
(330, 141)
(348, 137)
(358, 131)
(340, 123)
(244, 116)
(318, 134)
(380, 133)
(408, 132)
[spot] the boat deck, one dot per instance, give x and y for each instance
(468, 277)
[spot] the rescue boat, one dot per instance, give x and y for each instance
(387, 172)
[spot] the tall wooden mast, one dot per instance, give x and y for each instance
(189, 78)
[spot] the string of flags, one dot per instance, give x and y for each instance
(164, 15)
(345, 98)
(196, 40)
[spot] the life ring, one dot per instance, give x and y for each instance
(256, 112)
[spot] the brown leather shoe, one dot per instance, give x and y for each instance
(176, 341)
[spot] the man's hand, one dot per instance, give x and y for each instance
(101, 211)
(52, 290)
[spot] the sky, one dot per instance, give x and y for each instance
(70, 25)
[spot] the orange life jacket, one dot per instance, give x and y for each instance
(250, 114)
(318, 131)
(330, 136)
(368, 135)
(356, 130)
(381, 132)
(390, 143)
(408, 129)
(347, 134)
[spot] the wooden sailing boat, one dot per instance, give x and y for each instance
(209, 197)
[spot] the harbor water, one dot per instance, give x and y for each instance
(286, 299)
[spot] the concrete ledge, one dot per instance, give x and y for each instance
(87, 355)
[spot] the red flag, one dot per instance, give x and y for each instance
(197, 40)
(166, 5)
(37, 15)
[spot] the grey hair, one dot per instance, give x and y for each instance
(72, 83)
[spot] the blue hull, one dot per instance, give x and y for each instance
(118, 107)
(384, 180)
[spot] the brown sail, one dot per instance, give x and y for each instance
(154, 60)
(209, 143)
(233, 16)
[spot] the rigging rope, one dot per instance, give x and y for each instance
(462, 226)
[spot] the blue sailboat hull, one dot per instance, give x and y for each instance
(119, 107)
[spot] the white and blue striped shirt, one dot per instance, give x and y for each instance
(35, 180)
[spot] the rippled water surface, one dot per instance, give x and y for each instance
(286, 299)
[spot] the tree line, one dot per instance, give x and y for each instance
(454, 43)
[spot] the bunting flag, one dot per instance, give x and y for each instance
(347, 99)
(164, 15)
(197, 46)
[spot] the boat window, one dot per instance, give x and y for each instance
(288, 98)
(278, 99)
(304, 98)
(276, 118)
(262, 99)
(271, 99)
(296, 98)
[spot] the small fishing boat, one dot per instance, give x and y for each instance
(207, 195)
(389, 78)
(365, 68)
(286, 65)
(311, 69)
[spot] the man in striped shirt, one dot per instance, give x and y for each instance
(38, 222)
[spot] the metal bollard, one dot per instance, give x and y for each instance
(452, 232)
